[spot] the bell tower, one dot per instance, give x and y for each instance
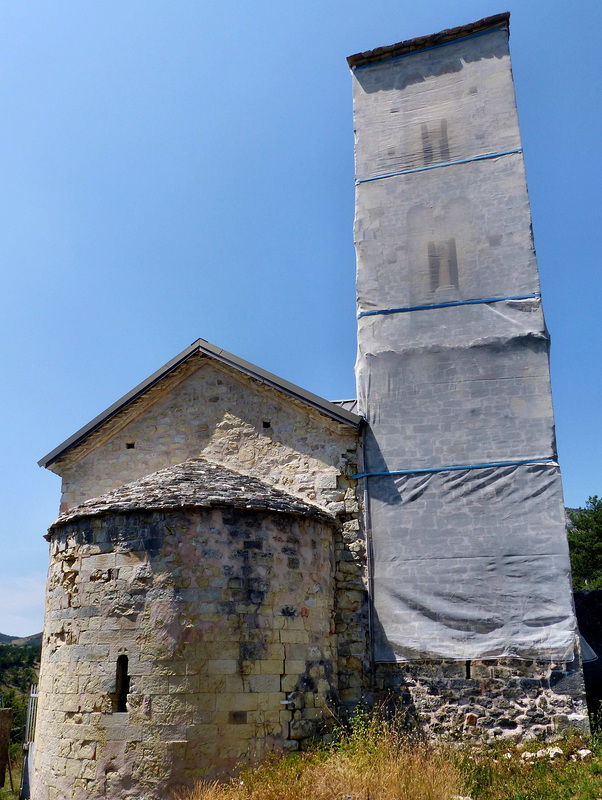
(464, 497)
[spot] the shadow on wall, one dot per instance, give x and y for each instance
(588, 607)
(421, 69)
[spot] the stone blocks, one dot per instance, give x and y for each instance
(207, 409)
(216, 631)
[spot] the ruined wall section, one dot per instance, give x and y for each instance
(226, 617)
(207, 409)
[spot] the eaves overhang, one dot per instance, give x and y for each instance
(201, 346)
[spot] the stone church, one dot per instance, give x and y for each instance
(237, 559)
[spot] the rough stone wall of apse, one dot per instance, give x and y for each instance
(227, 623)
(352, 610)
(212, 411)
(486, 700)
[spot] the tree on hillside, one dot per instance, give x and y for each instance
(18, 670)
(585, 544)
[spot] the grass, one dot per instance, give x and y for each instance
(375, 761)
(503, 773)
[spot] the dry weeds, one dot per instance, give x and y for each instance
(373, 762)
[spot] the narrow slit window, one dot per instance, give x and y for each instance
(435, 144)
(427, 147)
(443, 141)
(434, 265)
(122, 684)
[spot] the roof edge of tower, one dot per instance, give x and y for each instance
(431, 40)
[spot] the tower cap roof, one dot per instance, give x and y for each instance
(498, 21)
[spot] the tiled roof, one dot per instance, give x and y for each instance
(432, 40)
(196, 482)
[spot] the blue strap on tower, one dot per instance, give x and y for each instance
(457, 467)
(450, 304)
(482, 157)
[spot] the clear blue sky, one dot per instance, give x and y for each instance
(184, 169)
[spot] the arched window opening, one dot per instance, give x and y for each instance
(122, 684)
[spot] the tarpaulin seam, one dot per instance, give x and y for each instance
(450, 304)
(455, 467)
(430, 47)
(481, 157)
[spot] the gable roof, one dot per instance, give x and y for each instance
(203, 347)
(195, 483)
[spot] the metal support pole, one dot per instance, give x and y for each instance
(10, 770)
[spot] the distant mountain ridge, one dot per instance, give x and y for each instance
(35, 640)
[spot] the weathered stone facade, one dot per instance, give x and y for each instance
(204, 408)
(485, 700)
(243, 610)
(224, 616)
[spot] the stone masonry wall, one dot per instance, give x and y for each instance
(480, 700)
(227, 620)
(207, 409)
(351, 615)
(485, 700)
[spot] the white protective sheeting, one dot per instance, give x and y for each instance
(425, 108)
(455, 233)
(468, 563)
(471, 564)
(450, 386)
